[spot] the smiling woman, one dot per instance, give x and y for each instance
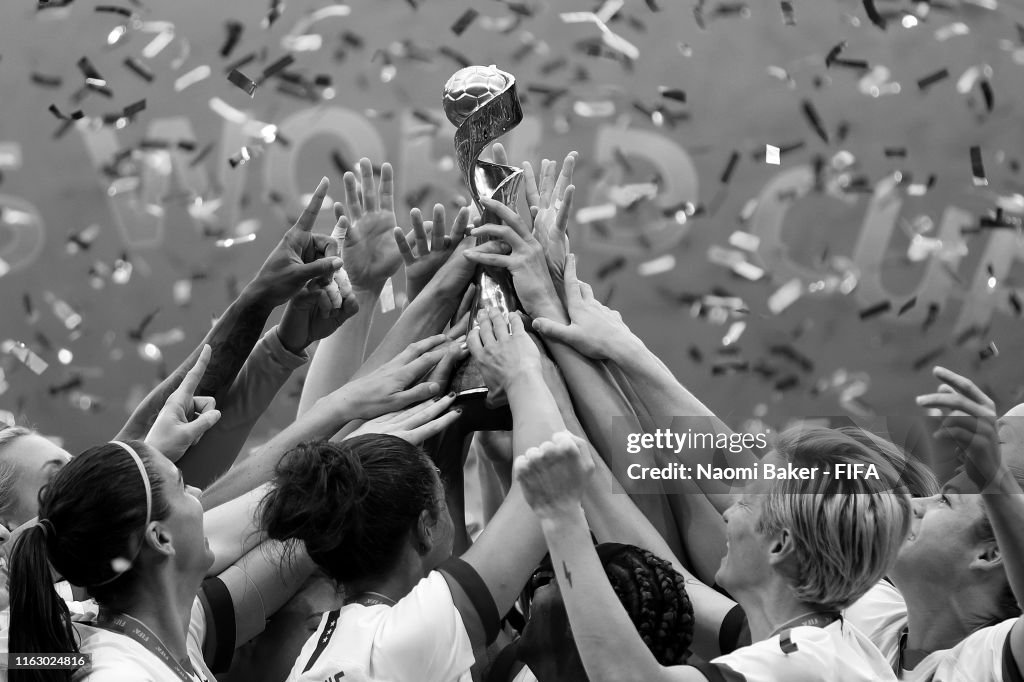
(27, 462)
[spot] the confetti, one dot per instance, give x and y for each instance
(657, 266)
(907, 306)
(785, 296)
(787, 13)
(978, 168)
(745, 241)
(672, 93)
(928, 81)
(957, 29)
(234, 32)
(989, 351)
(811, 114)
(113, 9)
(10, 156)
(157, 45)
(25, 354)
(592, 214)
(139, 69)
(772, 155)
(463, 22)
(278, 66)
(243, 82)
(872, 12)
(730, 166)
(875, 310)
(273, 14)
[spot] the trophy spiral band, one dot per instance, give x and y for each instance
(483, 105)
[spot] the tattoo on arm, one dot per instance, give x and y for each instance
(231, 344)
(568, 575)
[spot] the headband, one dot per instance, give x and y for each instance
(121, 564)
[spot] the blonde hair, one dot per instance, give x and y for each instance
(9, 472)
(846, 531)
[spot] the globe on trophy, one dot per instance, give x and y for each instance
(482, 104)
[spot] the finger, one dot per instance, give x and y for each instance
(516, 326)
(460, 328)
(483, 319)
(565, 176)
(369, 192)
(323, 267)
(423, 364)
(953, 401)
(433, 427)
(202, 424)
(442, 371)
(387, 188)
(500, 155)
(565, 209)
(339, 210)
(554, 330)
(188, 385)
(329, 299)
(532, 192)
(499, 323)
(586, 291)
(572, 283)
(419, 231)
(316, 203)
(491, 259)
(963, 385)
(437, 234)
(203, 403)
(417, 415)
(403, 246)
(459, 227)
(340, 231)
(473, 342)
(507, 215)
(353, 202)
(467, 303)
(547, 183)
(415, 394)
(503, 232)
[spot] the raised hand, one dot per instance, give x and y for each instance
(414, 424)
(503, 348)
(969, 427)
(554, 475)
(397, 383)
(526, 263)
(595, 330)
(550, 203)
(426, 247)
(300, 256)
(312, 314)
(185, 417)
(365, 230)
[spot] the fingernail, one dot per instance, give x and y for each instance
(337, 263)
(463, 346)
(458, 410)
(434, 388)
(452, 394)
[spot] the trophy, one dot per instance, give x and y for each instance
(481, 102)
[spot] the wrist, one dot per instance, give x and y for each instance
(563, 517)
(295, 346)
(1002, 483)
(525, 381)
(254, 297)
(622, 349)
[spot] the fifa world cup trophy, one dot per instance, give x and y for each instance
(481, 102)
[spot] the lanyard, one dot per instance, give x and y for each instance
(133, 629)
(370, 599)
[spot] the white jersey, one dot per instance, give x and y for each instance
(118, 658)
(422, 638)
(838, 652)
(981, 657)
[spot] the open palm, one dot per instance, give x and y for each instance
(365, 230)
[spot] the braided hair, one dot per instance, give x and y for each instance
(654, 595)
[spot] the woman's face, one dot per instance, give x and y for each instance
(35, 460)
(942, 540)
(192, 551)
(745, 563)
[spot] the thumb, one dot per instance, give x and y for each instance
(554, 330)
(324, 267)
(203, 423)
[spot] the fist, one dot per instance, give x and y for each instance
(554, 475)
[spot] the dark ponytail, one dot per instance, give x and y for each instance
(92, 516)
(351, 503)
(35, 601)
